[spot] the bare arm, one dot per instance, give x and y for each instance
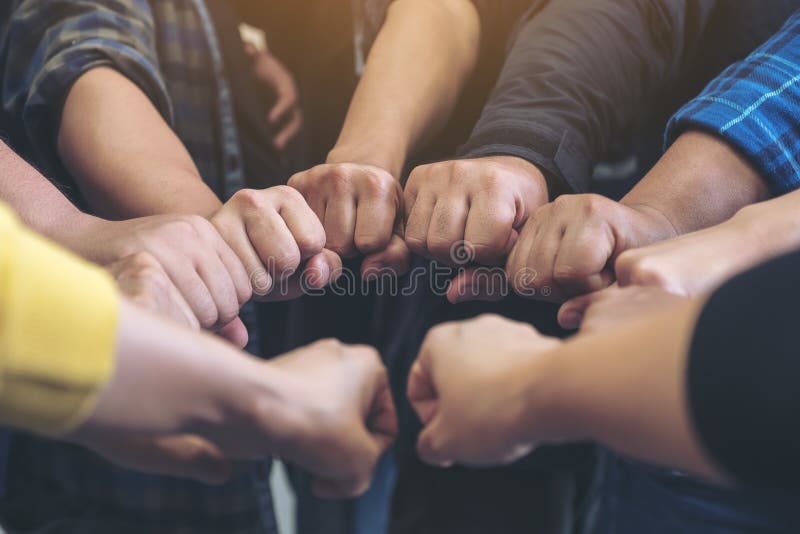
(123, 155)
(414, 74)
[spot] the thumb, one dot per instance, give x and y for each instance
(235, 332)
(421, 393)
(435, 444)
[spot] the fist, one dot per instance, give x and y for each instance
(346, 416)
(478, 205)
(359, 206)
(568, 247)
(279, 240)
(142, 279)
(469, 387)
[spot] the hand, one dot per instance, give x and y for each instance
(346, 416)
(695, 263)
(182, 456)
(188, 249)
(142, 279)
(279, 240)
(467, 388)
(478, 205)
(568, 247)
(360, 206)
(614, 306)
(285, 117)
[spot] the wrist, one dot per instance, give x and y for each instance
(391, 160)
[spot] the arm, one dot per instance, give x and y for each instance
(422, 58)
(734, 144)
(420, 61)
(73, 356)
(581, 74)
(127, 174)
(573, 83)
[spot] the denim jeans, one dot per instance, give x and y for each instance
(636, 499)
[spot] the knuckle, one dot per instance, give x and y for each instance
(417, 244)
(287, 194)
(143, 260)
(249, 198)
(207, 316)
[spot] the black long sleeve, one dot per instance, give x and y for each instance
(582, 75)
(744, 376)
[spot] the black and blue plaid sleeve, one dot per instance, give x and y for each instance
(755, 107)
(51, 43)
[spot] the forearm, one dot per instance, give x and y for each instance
(700, 182)
(627, 389)
(26, 191)
(123, 155)
(203, 386)
(416, 69)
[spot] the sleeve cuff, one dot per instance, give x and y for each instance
(565, 166)
(58, 322)
(745, 132)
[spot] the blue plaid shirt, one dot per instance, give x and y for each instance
(170, 50)
(755, 106)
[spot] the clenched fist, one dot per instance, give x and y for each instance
(568, 247)
(279, 240)
(478, 204)
(360, 209)
(470, 388)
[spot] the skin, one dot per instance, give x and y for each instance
(325, 407)
(700, 261)
(537, 390)
(573, 243)
(399, 105)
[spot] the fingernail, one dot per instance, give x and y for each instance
(571, 320)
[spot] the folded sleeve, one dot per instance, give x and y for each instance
(58, 321)
(578, 76)
(49, 44)
(754, 106)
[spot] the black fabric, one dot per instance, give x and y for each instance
(563, 102)
(743, 376)
(262, 164)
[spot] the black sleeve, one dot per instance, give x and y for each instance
(578, 74)
(743, 376)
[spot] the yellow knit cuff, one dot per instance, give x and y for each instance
(58, 322)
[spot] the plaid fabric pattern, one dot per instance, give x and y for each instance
(169, 49)
(755, 106)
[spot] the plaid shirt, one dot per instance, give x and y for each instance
(170, 50)
(755, 106)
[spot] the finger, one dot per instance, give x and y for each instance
(421, 392)
(448, 223)
(434, 445)
(395, 260)
(582, 265)
(236, 271)
(275, 244)
(220, 285)
(382, 420)
(289, 131)
(304, 226)
(235, 236)
(375, 219)
(339, 489)
(319, 272)
(183, 311)
(571, 313)
(489, 228)
(194, 290)
(418, 223)
(235, 332)
(340, 226)
(542, 259)
(483, 284)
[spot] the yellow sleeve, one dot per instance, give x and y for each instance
(58, 321)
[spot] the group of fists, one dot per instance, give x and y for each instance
(271, 244)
